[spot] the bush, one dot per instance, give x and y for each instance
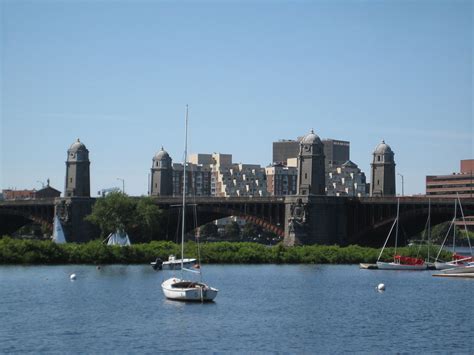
(15, 251)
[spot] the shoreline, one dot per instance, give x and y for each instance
(35, 252)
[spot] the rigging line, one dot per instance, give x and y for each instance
(198, 244)
(429, 228)
(196, 231)
(178, 222)
(386, 240)
(465, 225)
(454, 227)
(445, 238)
(423, 237)
(396, 230)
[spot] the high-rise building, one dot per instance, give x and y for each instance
(336, 152)
(284, 150)
(346, 180)
(77, 171)
(457, 184)
(198, 179)
(281, 179)
(311, 167)
(383, 171)
(161, 183)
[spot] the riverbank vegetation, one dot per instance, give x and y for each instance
(16, 251)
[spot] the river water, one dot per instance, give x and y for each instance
(259, 308)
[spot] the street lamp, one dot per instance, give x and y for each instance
(402, 183)
(123, 184)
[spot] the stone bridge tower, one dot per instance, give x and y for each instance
(77, 171)
(311, 169)
(161, 174)
(383, 171)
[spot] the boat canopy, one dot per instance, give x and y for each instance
(408, 260)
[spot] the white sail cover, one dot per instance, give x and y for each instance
(120, 237)
(58, 233)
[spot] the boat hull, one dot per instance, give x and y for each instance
(176, 264)
(448, 265)
(396, 266)
(191, 291)
(469, 269)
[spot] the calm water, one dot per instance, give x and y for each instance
(263, 308)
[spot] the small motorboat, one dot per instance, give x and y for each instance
(157, 264)
(176, 264)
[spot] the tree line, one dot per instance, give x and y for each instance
(20, 251)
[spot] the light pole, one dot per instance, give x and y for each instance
(402, 183)
(123, 184)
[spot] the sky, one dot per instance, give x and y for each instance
(118, 74)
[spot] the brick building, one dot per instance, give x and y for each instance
(461, 184)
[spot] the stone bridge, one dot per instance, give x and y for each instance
(299, 219)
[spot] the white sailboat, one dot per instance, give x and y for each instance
(181, 289)
(120, 237)
(399, 262)
(58, 232)
(458, 261)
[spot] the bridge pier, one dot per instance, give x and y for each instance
(71, 212)
(315, 220)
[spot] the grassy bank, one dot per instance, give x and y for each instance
(14, 251)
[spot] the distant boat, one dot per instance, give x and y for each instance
(457, 260)
(399, 262)
(58, 232)
(173, 264)
(178, 288)
(120, 237)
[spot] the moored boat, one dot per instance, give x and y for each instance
(403, 263)
(399, 262)
(185, 290)
(177, 288)
(177, 264)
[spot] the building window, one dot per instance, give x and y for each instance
(378, 182)
(378, 158)
(305, 175)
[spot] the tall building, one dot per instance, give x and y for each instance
(161, 183)
(336, 152)
(311, 167)
(77, 171)
(346, 180)
(284, 150)
(281, 179)
(383, 171)
(239, 180)
(457, 184)
(198, 179)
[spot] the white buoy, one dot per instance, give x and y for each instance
(72, 277)
(381, 287)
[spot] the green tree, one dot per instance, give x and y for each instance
(150, 218)
(208, 231)
(232, 231)
(115, 211)
(250, 231)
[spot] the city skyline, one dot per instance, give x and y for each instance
(117, 75)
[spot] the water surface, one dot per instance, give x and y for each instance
(268, 308)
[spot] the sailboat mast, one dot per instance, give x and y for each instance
(454, 226)
(396, 230)
(429, 228)
(464, 222)
(184, 185)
